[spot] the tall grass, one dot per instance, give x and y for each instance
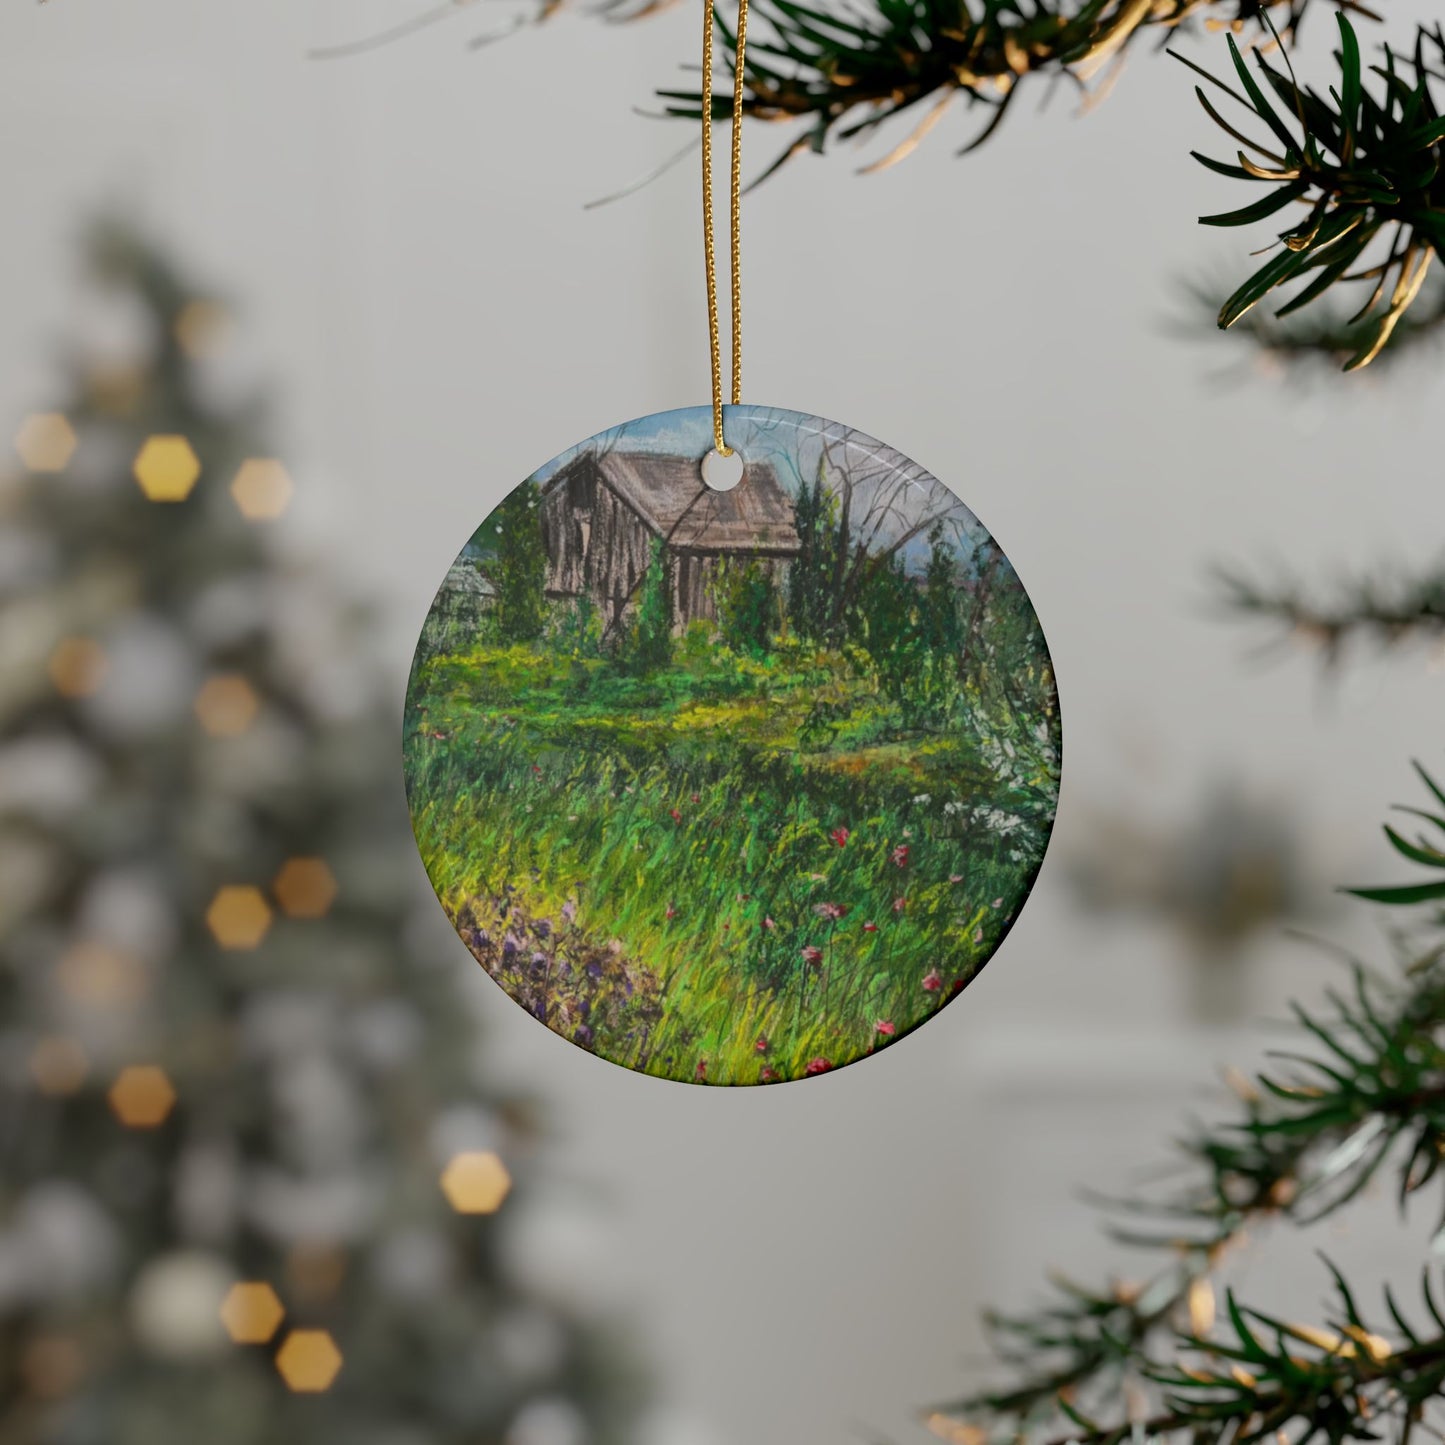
(733, 869)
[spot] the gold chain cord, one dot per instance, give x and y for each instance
(735, 214)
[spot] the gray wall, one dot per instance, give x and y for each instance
(441, 316)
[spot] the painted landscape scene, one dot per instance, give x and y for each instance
(732, 787)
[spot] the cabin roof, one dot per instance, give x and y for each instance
(668, 494)
(463, 576)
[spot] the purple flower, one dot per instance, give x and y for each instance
(594, 969)
(510, 945)
(569, 910)
(583, 1035)
(542, 928)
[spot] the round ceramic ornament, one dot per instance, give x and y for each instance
(732, 786)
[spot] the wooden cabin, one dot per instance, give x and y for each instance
(602, 511)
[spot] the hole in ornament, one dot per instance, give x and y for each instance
(722, 473)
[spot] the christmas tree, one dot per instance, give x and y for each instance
(254, 1184)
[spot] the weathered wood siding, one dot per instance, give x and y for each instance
(595, 543)
(694, 582)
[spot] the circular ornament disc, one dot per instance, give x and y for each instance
(732, 787)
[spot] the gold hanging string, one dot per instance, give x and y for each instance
(735, 218)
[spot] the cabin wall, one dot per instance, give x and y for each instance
(694, 582)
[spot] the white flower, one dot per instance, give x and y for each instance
(923, 799)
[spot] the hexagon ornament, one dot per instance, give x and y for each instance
(732, 786)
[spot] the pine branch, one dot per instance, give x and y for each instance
(1323, 338)
(840, 72)
(1364, 1092)
(1387, 612)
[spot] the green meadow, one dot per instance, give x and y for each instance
(738, 855)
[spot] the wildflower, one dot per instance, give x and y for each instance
(899, 904)
(997, 903)
(696, 798)
(542, 928)
(582, 1034)
(931, 982)
(671, 913)
(870, 928)
(701, 1072)
(956, 986)
(818, 1066)
(900, 855)
(762, 1044)
(830, 910)
(885, 1027)
(676, 816)
(812, 954)
(978, 935)
(510, 945)
(537, 770)
(955, 877)
(923, 799)
(768, 923)
(840, 836)
(594, 969)
(767, 1076)
(569, 910)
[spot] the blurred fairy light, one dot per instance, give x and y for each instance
(955, 1431)
(58, 1065)
(1201, 1306)
(252, 1313)
(46, 442)
(96, 974)
(315, 1271)
(308, 1361)
(305, 888)
(226, 705)
(239, 917)
(262, 489)
(142, 1096)
(77, 666)
(202, 329)
(166, 468)
(476, 1182)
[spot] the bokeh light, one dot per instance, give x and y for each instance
(166, 468)
(77, 666)
(308, 1361)
(93, 973)
(226, 705)
(239, 916)
(202, 329)
(252, 1312)
(305, 888)
(476, 1182)
(46, 442)
(58, 1065)
(262, 489)
(142, 1096)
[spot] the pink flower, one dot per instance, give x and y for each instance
(701, 1069)
(899, 904)
(978, 935)
(671, 912)
(955, 877)
(900, 855)
(767, 1076)
(885, 1027)
(830, 910)
(931, 982)
(812, 955)
(536, 769)
(768, 923)
(818, 1066)
(870, 928)
(697, 798)
(762, 1044)
(840, 836)
(676, 816)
